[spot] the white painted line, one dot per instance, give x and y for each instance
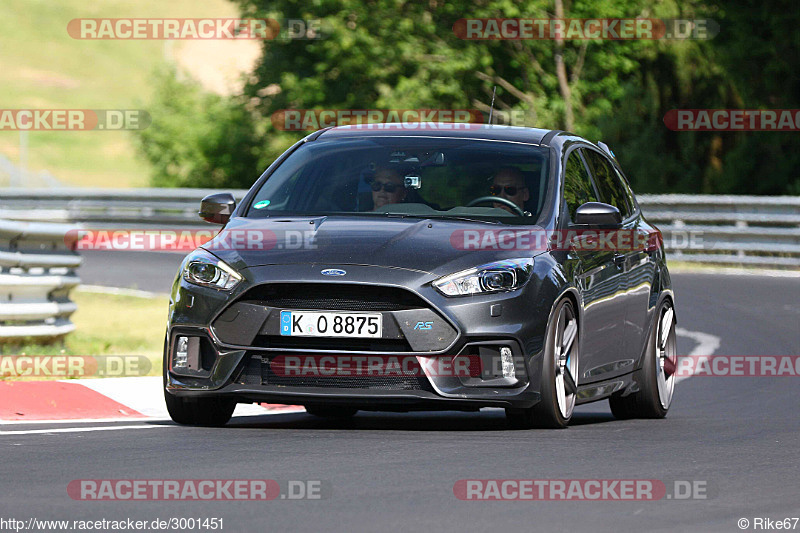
(707, 344)
(142, 394)
(723, 271)
(76, 430)
(82, 421)
(146, 395)
(242, 410)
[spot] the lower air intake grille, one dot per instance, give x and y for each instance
(258, 371)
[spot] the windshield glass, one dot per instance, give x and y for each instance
(409, 176)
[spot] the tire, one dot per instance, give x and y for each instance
(655, 379)
(212, 412)
(558, 378)
(331, 412)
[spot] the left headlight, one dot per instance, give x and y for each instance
(205, 269)
(507, 275)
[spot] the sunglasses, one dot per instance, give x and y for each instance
(386, 186)
(510, 190)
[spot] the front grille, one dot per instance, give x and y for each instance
(334, 297)
(258, 371)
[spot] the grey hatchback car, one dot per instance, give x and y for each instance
(398, 267)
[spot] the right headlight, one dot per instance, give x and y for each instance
(507, 275)
(207, 270)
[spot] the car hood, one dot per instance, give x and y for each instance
(434, 246)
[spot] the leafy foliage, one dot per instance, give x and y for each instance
(400, 54)
(199, 139)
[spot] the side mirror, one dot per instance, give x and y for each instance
(217, 208)
(597, 214)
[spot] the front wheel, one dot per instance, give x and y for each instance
(656, 378)
(199, 411)
(194, 411)
(559, 386)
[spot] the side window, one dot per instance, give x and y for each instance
(577, 187)
(628, 191)
(609, 185)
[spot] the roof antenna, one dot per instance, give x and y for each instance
(491, 107)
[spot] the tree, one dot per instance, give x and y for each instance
(400, 54)
(200, 139)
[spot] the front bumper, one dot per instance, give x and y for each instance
(232, 377)
(238, 333)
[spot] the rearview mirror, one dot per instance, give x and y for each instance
(597, 214)
(217, 208)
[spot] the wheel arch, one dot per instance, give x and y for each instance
(665, 295)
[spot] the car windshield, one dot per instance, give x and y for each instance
(491, 181)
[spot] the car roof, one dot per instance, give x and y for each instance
(452, 130)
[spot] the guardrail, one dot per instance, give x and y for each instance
(107, 207)
(760, 231)
(744, 230)
(37, 272)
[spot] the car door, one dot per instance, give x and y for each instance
(633, 260)
(598, 278)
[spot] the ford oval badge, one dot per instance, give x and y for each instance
(333, 272)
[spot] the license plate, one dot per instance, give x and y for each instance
(313, 324)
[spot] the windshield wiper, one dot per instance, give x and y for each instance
(465, 219)
(441, 217)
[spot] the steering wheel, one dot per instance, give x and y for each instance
(499, 200)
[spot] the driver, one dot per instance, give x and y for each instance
(509, 183)
(388, 187)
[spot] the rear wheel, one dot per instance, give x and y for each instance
(331, 412)
(656, 377)
(559, 370)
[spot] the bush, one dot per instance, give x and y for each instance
(200, 139)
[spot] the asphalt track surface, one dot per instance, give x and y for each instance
(738, 436)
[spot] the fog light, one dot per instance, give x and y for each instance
(181, 359)
(507, 362)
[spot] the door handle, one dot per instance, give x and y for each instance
(619, 260)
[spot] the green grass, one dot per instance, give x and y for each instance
(44, 68)
(108, 324)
